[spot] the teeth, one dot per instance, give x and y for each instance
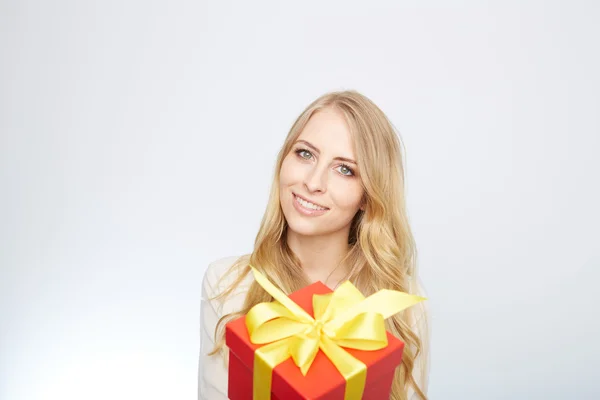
(309, 205)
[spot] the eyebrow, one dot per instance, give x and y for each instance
(349, 160)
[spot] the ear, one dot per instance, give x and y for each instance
(363, 203)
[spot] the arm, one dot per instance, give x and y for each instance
(212, 372)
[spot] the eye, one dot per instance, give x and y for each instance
(305, 154)
(345, 170)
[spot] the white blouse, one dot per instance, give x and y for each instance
(212, 373)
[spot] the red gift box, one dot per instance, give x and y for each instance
(323, 381)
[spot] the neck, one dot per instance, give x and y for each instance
(321, 256)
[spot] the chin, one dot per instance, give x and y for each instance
(304, 228)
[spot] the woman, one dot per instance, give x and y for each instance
(336, 212)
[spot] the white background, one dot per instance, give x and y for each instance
(137, 145)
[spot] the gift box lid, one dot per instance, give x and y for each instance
(322, 377)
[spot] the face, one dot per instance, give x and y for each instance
(320, 187)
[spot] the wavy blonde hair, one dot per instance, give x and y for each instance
(382, 251)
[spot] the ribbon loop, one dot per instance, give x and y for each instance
(366, 331)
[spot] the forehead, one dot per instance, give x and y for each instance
(328, 131)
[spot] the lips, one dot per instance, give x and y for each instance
(308, 208)
(311, 205)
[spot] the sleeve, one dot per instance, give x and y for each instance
(212, 372)
(422, 326)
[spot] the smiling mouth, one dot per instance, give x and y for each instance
(309, 205)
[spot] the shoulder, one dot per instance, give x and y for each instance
(218, 278)
(217, 269)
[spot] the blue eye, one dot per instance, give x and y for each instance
(345, 170)
(305, 154)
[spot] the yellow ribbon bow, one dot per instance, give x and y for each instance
(344, 318)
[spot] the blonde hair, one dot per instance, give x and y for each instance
(382, 250)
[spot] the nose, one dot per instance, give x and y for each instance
(315, 179)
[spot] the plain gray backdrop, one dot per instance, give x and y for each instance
(137, 145)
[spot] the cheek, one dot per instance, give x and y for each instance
(284, 172)
(348, 195)
(291, 172)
